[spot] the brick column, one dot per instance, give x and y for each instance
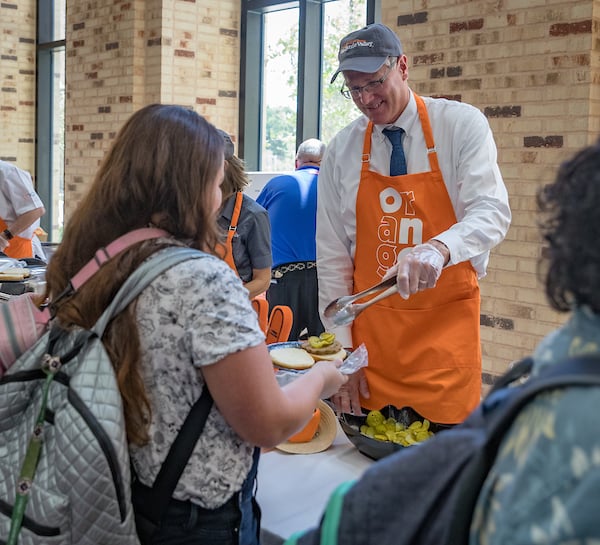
(532, 69)
(17, 83)
(124, 54)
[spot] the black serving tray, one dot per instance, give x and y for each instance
(373, 448)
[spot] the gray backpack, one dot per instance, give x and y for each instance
(76, 488)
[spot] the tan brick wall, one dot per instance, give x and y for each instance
(124, 54)
(17, 83)
(532, 68)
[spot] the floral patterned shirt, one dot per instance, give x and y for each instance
(545, 484)
(193, 315)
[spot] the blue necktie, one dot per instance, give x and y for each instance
(398, 161)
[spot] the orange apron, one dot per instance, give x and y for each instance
(18, 247)
(226, 250)
(424, 352)
(235, 216)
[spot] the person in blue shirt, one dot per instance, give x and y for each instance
(291, 201)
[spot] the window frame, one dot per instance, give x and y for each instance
(45, 150)
(310, 55)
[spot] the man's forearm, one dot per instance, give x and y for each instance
(25, 220)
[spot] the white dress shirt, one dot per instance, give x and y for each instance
(468, 160)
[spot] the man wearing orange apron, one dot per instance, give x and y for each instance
(20, 211)
(432, 226)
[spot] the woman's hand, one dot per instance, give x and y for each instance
(333, 379)
(347, 399)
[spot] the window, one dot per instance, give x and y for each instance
(51, 20)
(289, 52)
(280, 89)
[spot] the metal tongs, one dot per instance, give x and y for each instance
(343, 310)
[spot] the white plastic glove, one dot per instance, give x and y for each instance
(417, 269)
(3, 243)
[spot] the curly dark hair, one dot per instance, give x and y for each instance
(570, 226)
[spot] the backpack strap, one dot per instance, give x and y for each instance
(103, 254)
(574, 371)
(115, 247)
(182, 448)
(151, 503)
(498, 410)
(517, 371)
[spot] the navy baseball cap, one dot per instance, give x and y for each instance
(366, 50)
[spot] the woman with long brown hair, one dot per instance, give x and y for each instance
(193, 327)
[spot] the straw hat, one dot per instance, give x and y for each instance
(323, 437)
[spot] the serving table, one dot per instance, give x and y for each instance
(293, 489)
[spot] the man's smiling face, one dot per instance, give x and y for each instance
(384, 104)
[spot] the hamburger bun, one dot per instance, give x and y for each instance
(292, 358)
(14, 274)
(339, 355)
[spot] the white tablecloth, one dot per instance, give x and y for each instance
(293, 489)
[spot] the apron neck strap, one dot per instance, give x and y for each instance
(427, 132)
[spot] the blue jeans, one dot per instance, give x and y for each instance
(237, 522)
(249, 508)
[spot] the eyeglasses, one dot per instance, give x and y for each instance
(370, 87)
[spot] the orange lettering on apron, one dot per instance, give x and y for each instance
(18, 247)
(424, 352)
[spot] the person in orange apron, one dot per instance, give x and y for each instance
(436, 339)
(431, 225)
(20, 211)
(247, 248)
